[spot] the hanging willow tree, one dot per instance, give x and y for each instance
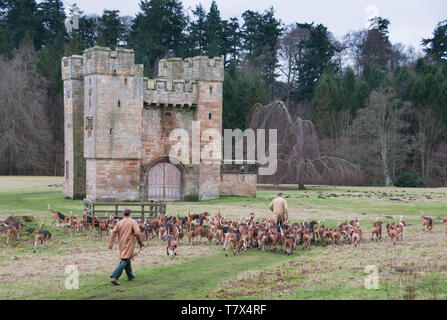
(299, 158)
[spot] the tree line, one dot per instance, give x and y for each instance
(380, 105)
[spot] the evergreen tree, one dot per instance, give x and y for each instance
(87, 34)
(20, 18)
(158, 28)
(3, 10)
(52, 17)
(242, 89)
(231, 41)
(403, 81)
(375, 77)
(436, 47)
(359, 96)
(260, 42)
(5, 42)
(376, 50)
(316, 52)
(111, 30)
(213, 31)
(197, 33)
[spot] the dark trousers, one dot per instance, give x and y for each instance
(123, 265)
(279, 221)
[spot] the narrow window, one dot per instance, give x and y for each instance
(211, 90)
(210, 116)
(89, 126)
(119, 103)
(67, 167)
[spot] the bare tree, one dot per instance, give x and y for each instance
(398, 56)
(352, 43)
(427, 135)
(439, 164)
(290, 53)
(376, 136)
(25, 138)
(299, 157)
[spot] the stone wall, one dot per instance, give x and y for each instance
(238, 184)
(239, 179)
(111, 179)
(158, 122)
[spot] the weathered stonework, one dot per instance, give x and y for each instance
(117, 126)
(238, 180)
(74, 186)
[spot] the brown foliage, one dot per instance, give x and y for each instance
(25, 137)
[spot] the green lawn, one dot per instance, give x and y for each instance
(414, 268)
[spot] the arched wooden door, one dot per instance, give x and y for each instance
(164, 182)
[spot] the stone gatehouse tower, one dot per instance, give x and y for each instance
(117, 126)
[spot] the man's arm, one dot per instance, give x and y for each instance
(136, 230)
(286, 209)
(113, 236)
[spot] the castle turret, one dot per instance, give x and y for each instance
(72, 75)
(209, 74)
(113, 111)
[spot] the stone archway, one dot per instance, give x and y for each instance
(164, 182)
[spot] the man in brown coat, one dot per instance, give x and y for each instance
(279, 209)
(127, 229)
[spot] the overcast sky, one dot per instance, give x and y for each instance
(411, 20)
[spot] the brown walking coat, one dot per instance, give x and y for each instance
(279, 209)
(127, 229)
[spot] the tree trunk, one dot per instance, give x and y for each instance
(301, 186)
(384, 147)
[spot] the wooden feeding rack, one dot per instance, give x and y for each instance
(102, 210)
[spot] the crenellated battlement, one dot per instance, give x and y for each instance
(100, 60)
(162, 84)
(199, 68)
(178, 81)
(160, 91)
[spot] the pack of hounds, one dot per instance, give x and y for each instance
(15, 228)
(236, 235)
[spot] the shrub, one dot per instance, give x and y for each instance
(409, 179)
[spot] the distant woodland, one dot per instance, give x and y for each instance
(380, 106)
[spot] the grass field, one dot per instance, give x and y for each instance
(415, 268)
